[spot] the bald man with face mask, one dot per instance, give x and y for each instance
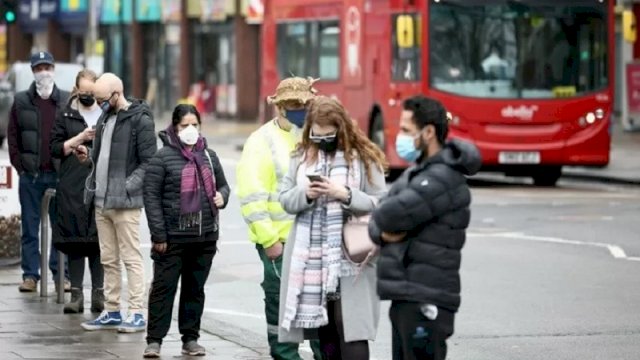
(125, 142)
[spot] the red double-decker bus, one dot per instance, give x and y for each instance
(530, 82)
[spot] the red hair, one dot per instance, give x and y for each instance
(352, 141)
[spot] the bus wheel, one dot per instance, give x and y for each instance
(547, 176)
(376, 130)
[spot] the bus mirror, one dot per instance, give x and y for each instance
(405, 31)
(629, 26)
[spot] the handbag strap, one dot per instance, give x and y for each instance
(206, 152)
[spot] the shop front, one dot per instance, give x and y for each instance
(169, 54)
(115, 28)
(73, 20)
(148, 15)
(213, 56)
(33, 19)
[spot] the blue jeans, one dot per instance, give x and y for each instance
(31, 191)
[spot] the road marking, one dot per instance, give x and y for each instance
(586, 217)
(305, 348)
(234, 313)
(616, 251)
(538, 196)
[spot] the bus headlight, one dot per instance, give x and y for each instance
(591, 118)
(452, 119)
(599, 114)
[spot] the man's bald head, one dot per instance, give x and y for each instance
(109, 87)
(109, 83)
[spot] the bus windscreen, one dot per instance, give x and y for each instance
(518, 49)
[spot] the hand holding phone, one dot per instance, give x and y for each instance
(315, 178)
(82, 153)
(313, 190)
(88, 134)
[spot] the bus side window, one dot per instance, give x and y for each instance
(309, 48)
(406, 47)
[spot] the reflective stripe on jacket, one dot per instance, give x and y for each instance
(264, 162)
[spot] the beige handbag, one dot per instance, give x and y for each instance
(358, 247)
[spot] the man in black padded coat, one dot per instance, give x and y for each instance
(421, 227)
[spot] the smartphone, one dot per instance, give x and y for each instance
(315, 178)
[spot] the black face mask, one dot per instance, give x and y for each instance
(328, 145)
(106, 105)
(86, 100)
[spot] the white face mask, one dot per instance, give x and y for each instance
(189, 135)
(44, 83)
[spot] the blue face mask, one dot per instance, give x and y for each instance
(296, 117)
(106, 105)
(406, 148)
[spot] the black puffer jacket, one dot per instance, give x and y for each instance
(162, 195)
(75, 226)
(24, 131)
(430, 202)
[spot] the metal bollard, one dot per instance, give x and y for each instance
(60, 278)
(44, 250)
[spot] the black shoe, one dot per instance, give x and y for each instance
(76, 305)
(97, 300)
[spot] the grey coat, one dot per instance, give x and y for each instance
(359, 299)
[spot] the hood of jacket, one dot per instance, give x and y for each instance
(460, 155)
(137, 108)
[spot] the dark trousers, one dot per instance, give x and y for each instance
(332, 338)
(271, 287)
(414, 336)
(190, 262)
(76, 270)
(31, 190)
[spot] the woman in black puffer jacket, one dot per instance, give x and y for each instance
(184, 186)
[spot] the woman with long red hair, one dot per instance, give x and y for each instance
(336, 171)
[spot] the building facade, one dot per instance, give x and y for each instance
(164, 50)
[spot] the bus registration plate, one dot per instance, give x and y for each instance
(513, 157)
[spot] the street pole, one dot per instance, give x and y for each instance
(93, 27)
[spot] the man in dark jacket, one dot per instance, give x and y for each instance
(30, 122)
(125, 142)
(421, 227)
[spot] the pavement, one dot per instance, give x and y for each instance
(34, 327)
(624, 164)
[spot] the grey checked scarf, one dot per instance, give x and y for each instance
(317, 260)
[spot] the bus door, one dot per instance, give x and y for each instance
(406, 68)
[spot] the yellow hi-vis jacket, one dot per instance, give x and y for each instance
(264, 162)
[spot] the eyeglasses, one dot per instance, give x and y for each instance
(100, 100)
(319, 138)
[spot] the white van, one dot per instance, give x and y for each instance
(19, 77)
